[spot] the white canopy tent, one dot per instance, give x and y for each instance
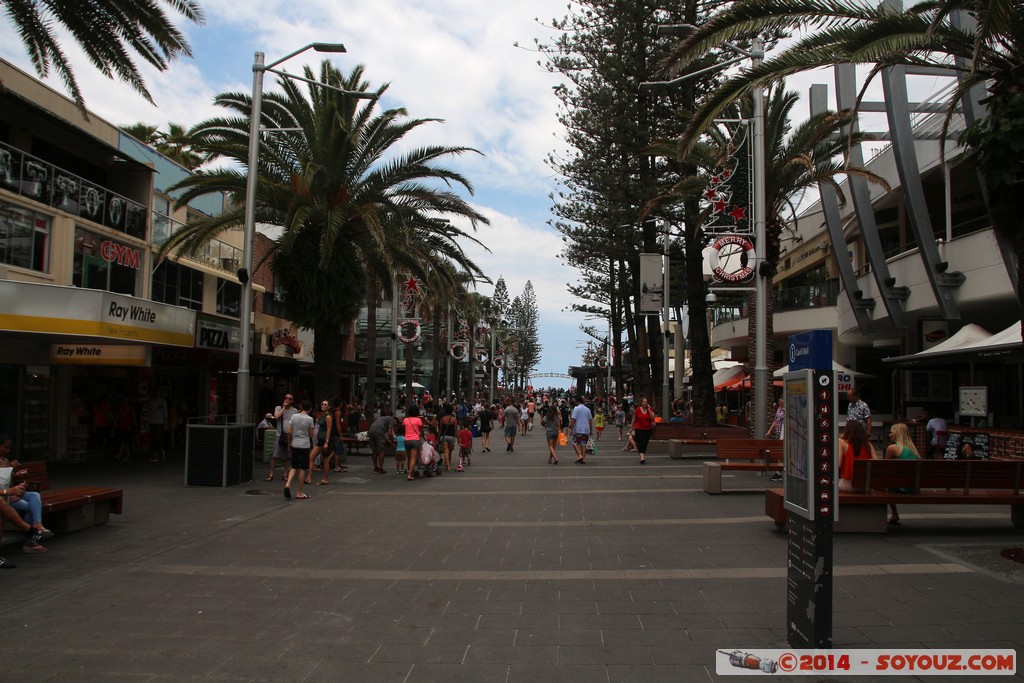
(835, 366)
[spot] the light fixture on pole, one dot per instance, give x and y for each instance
(756, 56)
(245, 273)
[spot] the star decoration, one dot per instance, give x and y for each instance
(411, 285)
(720, 206)
(710, 193)
(738, 213)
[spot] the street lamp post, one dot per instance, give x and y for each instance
(756, 56)
(245, 273)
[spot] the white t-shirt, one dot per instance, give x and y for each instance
(934, 426)
(582, 416)
(301, 426)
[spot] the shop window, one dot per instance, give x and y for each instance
(101, 263)
(229, 298)
(178, 285)
(24, 238)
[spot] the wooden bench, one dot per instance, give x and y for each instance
(680, 435)
(72, 508)
(930, 482)
(751, 455)
(354, 443)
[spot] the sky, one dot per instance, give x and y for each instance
(455, 60)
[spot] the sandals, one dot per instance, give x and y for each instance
(322, 482)
(303, 496)
(270, 478)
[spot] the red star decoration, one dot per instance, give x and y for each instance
(716, 180)
(411, 285)
(720, 206)
(738, 213)
(710, 193)
(726, 175)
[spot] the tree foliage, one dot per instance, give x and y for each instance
(107, 31)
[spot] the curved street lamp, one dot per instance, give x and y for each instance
(242, 403)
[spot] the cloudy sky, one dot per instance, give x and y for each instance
(455, 60)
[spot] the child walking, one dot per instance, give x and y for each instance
(465, 446)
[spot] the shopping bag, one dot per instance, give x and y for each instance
(563, 440)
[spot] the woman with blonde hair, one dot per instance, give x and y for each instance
(901, 448)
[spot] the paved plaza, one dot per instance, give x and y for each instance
(514, 571)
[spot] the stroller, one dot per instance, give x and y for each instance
(429, 459)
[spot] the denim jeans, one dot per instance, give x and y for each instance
(32, 504)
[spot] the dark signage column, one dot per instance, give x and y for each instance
(811, 483)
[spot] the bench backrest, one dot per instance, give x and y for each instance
(35, 474)
(939, 474)
(676, 431)
(748, 449)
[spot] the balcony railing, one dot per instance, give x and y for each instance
(36, 179)
(163, 227)
(807, 296)
(786, 299)
(219, 255)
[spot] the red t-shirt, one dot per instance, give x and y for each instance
(642, 420)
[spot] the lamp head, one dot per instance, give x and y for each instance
(711, 298)
(328, 47)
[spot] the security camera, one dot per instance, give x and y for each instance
(711, 298)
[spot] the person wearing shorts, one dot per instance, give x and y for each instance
(581, 424)
(380, 433)
(301, 442)
(511, 426)
(283, 416)
(413, 425)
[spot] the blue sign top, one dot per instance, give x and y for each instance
(811, 349)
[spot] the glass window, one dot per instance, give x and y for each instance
(229, 298)
(101, 263)
(24, 238)
(178, 285)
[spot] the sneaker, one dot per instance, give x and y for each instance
(776, 477)
(6, 564)
(39, 535)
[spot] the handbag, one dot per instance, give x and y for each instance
(563, 440)
(5, 477)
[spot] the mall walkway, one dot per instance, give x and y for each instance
(513, 571)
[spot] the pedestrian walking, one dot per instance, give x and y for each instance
(300, 442)
(643, 427)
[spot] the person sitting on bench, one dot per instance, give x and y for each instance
(23, 501)
(853, 445)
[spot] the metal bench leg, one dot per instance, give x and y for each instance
(712, 477)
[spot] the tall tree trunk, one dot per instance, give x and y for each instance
(702, 374)
(327, 344)
(370, 391)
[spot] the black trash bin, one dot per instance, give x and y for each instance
(219, 454)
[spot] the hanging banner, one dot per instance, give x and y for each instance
(651, 283)
(730, 194)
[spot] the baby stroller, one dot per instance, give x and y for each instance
(429, 459)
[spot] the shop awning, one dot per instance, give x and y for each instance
(970, 342)
(835, 366)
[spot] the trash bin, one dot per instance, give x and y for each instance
(269, 440)
(219, 454)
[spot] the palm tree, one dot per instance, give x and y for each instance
(981, 40)
(105, 30)
(347, 202)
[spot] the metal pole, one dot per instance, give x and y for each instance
(242, 397)
(394, 345)
(608, 350)
(761, 377)
(492, 374)
(665, 411)
(448, 357)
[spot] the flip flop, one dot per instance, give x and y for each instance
(303, 496)
(270, 478)
(322, 483)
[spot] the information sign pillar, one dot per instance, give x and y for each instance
(811, 487)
